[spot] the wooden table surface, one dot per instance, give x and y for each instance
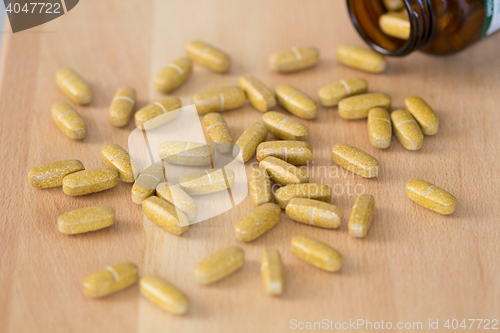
(414, 265)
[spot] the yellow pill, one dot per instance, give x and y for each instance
(393, 5)
(208, 56)
(164, 214)
(117, 158)
(296, 102)
(83, 220)
(173, 75)
(145, 184)
(430, 196)
(407, 130)
(219, 265)
(379, 128)
(164, 294)
(333, 93)
(361, 58)
(185, 153)
(122, 107)
(89, 181)
(273, 272)
(293, 152)
(258, 222)
(68, 120)
(219, 99)
(314, 212)
(164, 106)
(177, 197)
(357, 107)
(355, 160)
(73, 86)
(321, 192)
(284, 127)
(423, 114)
(110, 280)
(283, 173)
(295, 59)
(260, 96)
(260, 187)
(52, 174)
(207, 181)
(316, 253)
(361, 217)
(395, 24)
(218, 132)
(244, 149)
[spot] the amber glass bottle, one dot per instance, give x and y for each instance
(438, 27)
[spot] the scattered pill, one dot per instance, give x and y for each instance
(218, 131)
(122, 107)
(219, 265)
(395, 24)
(179, 198)
(379, 128)
(89, 181)
(164, 214)
(430, 196)
(293, 152)
(244, 149)
(260, 96)
(407, 130)
(393, 5)
(52, 174)
(295, 59)
(110, 280)
(258, 222)
(423, 114)
(314, 212)
(316, 253)
(145, 184)
(87, 219)
(333, 93)
(185, 153)
(273, 272)
(207, 181)
(284, 127)
(355, 160)
(321, 192)
(164, 294)
(153, 110)
(173, 75)
(68, 120)
(260, 187)
(357, 107)
(73, 86)
(117, 158)
(219, 99)
(283, 173)
(361, 217)
(361, 58)
(208, 56)
(296, 102)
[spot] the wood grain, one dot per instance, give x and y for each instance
(414, 265)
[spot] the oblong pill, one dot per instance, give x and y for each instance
(293, 152)
(393, 5)
(395, 24)
(296, 102)
(207, 181)
(316, 253)
(423, 114)
(52, 174)
(146, 182)
(314, 212)
(244, 149)
(430, 196)
(357, 107)
(219, 265)
(260, 187)
(87, 219)
(260, 96)
(110, 280)
(68, 120)
(122, 107)
(164, 214)
(333, 93)
(355, 160)
(219, 99)
(89, 181)
(179, 198)
(153, 110)
(295, 59)
(361, 58)
(117, 158)
(283, 173)
(407, 130)
(379, 128)
(284, 127)
(208, 56)
(258, 222)
(73, 86)
(173, 75)
(361, 216)
(218, 132)
(164, 294)
(321, 192)
(185, 153)
(273, 272)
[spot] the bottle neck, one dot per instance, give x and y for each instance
(365, 15)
